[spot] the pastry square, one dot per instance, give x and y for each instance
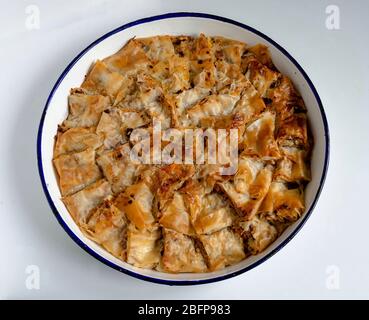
(222, 248)
(180, 254)
(81, 203)
(76, 171)
(143, 247)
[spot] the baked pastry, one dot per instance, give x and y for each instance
(165, 212)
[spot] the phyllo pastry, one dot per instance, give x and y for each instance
(100, 80)
(136, 201)
(81, 203)
(221, 180)
(259, 138)
(75, 140)
(293, 166)
(76, 171)
(85, 110)
(107, 225)
(282, 203)
(175, 215)
(248, 187)
(181, 254)
(118, 168)
(209, 210)
(257, 233)
(143, 247)
(222, 248)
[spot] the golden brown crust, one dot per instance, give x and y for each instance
(293, 166)
(81, 203)
(136, 202)
(292, 131)
(118, 168)
(180, 253)
(260, 76)
(85, 110)
(76, 140)
(248, 187)
(175, 216)
(143, 247)
(282, 203)
(76, 171)
(258, 139)
(184, 217)
(100, 80)
(257, 233)
(107, 225)
(222, 248)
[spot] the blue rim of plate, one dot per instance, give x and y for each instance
(181, 282)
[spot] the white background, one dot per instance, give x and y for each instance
(337, 234)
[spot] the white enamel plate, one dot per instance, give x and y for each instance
(56, 110)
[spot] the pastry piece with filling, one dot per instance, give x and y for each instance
(148, 98)
(100, 80)
(249, 106)
(183, 46)
(178, 75)
(161, 111)
(170, 178)
(222, 248)
(107, 225)
(158, 48)
(202, 69)
(175, 216)
(285, 99)
(132, 120)
(262, 54)
(143, 247)
(129, 60)
(185, 100)
(257, 233)
(293, 166)
(215, 214)
(118, 168)
(260, 75)
(248, 187)
(110, 128)
(146, 92)
(115, 125)
(229, 50)
(209, 211)
(81, 203)
(227, 73)
(75, 140)
(215, 106)
(292, 131)
(137, 203)
(76, 171)
(258, 139)
(282, 204)
(180, 254)
(85, 110)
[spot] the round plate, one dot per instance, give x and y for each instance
(56, 110)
